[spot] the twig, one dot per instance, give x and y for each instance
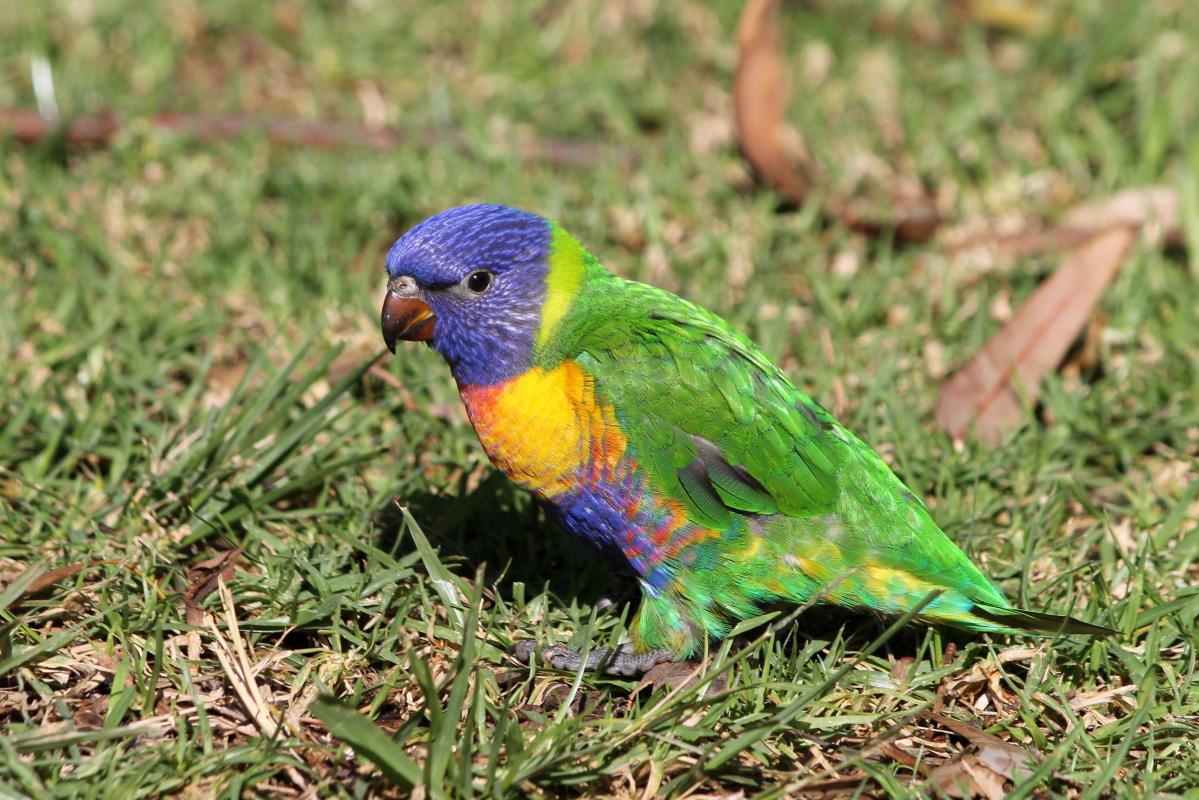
(98, 130)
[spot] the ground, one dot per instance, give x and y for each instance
(219, 504)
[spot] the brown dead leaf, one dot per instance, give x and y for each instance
(47, 579)
(1010, 757)
(557, 694)
(897, 754)
(1082, 700)
(900, 668)
(986, 393)
(760, 94)
(835, 787)
(951, 650)
(984, 680)
(1006, 759)
(1156, 206)
(222, 380)
(202, 580)
(981, 773)
(967, 777)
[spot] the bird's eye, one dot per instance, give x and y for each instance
(478, 281)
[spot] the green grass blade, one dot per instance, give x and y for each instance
(348, 726)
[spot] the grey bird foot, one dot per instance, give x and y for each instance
(620, 660)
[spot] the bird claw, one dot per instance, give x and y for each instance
(620, 660)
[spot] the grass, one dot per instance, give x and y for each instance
(188, 331)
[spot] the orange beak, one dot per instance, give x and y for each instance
(407, 319)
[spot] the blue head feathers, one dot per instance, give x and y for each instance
(481, 269)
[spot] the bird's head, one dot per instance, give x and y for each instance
(482, 284)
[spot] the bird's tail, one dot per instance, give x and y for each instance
(1019, 621)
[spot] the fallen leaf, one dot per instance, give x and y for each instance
(951, 650)
(1083, 700)
(966, 777)
(44, 581)
(901, 756)
(1157, 206)
(900, 668)
(987, 392)
(1010, 760)
(222, 381)
(984, 772)
(984, 677)
(760, 93)
(760, 100)
(202, 580)
(557, 694)
(835, 787)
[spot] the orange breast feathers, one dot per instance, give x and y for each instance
(546, 431)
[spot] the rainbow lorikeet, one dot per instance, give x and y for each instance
(656, 432)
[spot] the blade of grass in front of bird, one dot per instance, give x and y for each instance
(17, 587)
(461, 676)
(307, 422)
(443, 580)
(367, 741)
(271, 398)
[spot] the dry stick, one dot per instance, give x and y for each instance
(951, 650)
(98, 130)
(1155, 208)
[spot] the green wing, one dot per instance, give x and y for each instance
(799, 503)
(714, 423)
(717, 427)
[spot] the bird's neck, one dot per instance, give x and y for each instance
(546, 429)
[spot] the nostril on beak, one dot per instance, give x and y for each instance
(404, 286)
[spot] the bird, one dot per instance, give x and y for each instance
(651, 429)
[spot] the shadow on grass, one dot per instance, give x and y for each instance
(499, 526)
(858, 629)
